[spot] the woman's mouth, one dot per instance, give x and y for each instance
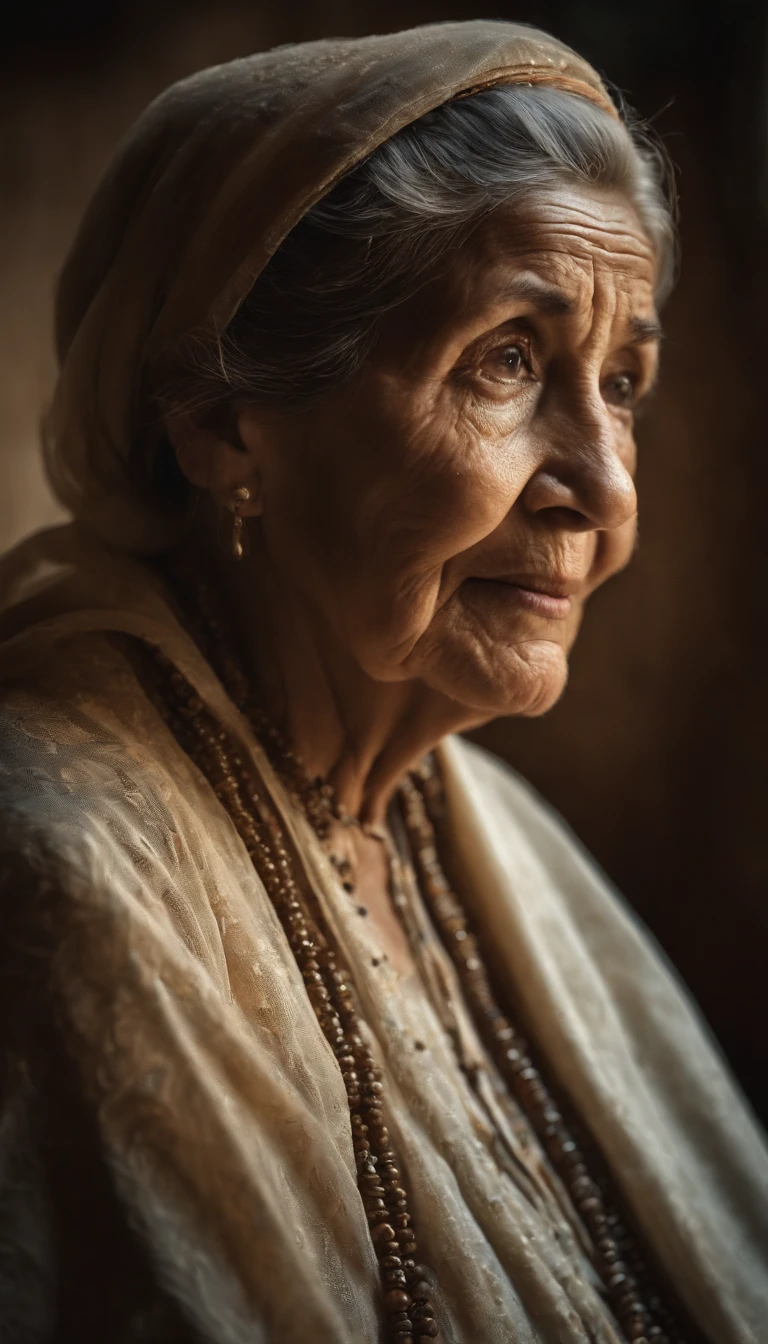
(547, 598)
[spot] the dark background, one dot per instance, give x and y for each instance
(657, 753)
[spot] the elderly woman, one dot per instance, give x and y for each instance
(319, 1027)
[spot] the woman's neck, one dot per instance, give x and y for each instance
(361, 735)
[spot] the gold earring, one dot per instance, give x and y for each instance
(240, 497)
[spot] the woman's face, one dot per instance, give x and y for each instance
(448, 514)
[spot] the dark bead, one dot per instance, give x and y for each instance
(384, 1232)
(391, 1262)
(427, 1329)
(422, 1310)
(420, 1290)
(589, 1205)
(581, 1187)
(610, 1256)
(636, 1321)
(627, 1302)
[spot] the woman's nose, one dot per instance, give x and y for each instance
(582, 478)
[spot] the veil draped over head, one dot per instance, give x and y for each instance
(200, 195)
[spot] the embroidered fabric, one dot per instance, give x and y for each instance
(139, 940)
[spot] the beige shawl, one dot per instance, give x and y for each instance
(219, 1105)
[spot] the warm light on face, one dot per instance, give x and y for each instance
(449, 513)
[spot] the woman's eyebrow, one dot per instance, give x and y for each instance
(553, 302)
(547, 298)
(642, 330)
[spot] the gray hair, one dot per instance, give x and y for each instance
(310, 321)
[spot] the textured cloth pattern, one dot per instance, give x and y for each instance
(192, 1051)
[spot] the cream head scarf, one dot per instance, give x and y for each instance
(200, 195)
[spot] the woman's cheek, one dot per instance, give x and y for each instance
(483, 468)
(500, 450)
(490, 480)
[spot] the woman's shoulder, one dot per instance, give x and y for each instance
(69, 739)
(500, 823)
(497, 775)
(511, 806)
(107, 833)
(95, 794)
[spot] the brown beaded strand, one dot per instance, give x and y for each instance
(643, 1317)
(408, 1309)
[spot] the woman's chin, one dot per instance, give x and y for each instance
(523, 679)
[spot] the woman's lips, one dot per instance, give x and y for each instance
(551, 602)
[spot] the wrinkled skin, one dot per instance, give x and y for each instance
(424, 541)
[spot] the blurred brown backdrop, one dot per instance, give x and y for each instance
(656, 755)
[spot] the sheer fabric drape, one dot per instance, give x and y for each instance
(217, 1102)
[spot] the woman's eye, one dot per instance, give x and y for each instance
(620, 390)
(506, 364)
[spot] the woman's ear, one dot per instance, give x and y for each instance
(213, 464)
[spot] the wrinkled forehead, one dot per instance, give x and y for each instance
(569, 233)
(575, 256)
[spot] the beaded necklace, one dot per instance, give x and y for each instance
(643, 1315)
